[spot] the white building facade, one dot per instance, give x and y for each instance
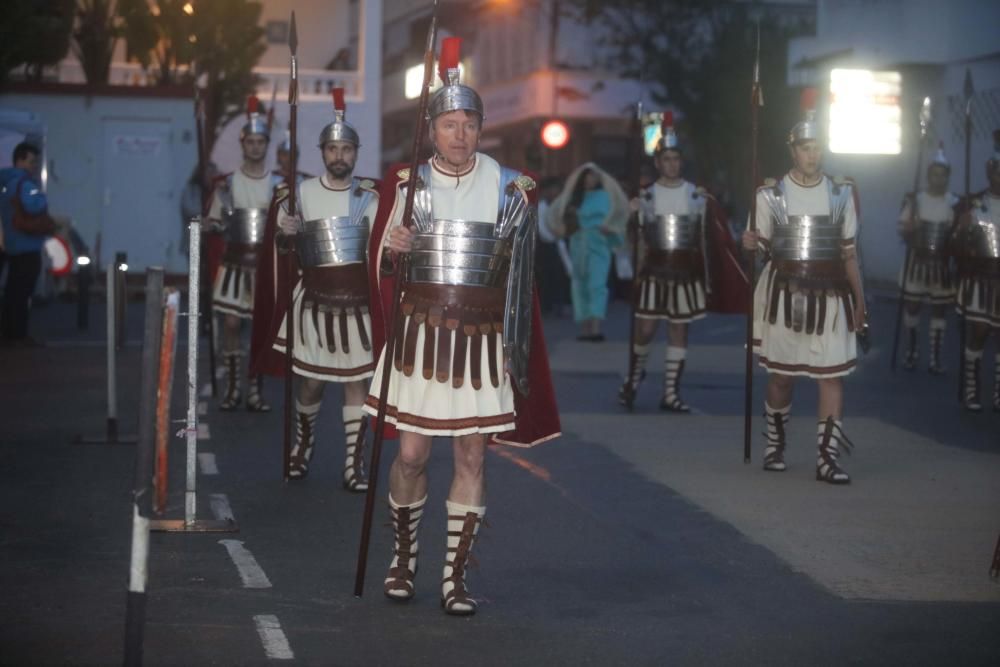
(931, 45)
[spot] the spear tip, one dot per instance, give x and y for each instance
(293, 35)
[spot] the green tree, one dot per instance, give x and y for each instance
(697, 56)
(219, 40)
(34, 34)
(94, 38)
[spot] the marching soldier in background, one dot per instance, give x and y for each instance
(470, 345)
(688, 255)
(978, 243)
(332, 323)
(239, 207)
(925, 223)
(809, 300)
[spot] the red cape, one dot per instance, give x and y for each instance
(215, 243)
(536, 416)
(270, 296)
(729, 281)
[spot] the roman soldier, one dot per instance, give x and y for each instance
(809, 302)
(239, 206)
(978, 243)
(332, 324)
(468, 346)
(925, 223)
(687, 254)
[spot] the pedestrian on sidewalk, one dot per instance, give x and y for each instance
(808, 303)
(24, 210)
(550, 273)
(463, 362)
(591, 212)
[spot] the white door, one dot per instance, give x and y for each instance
(139, 205)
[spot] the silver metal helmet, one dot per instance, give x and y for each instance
(940, 159)
(339, 129)
(668, 137)
(453, 96)
(806, 129)
(257, 123)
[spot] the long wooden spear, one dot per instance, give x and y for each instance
(397, 292)
(293, 115)
(968, 90)
(629, 389)
(756, 101)
(205, 184)
(925, 121)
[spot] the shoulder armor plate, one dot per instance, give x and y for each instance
(526, 183)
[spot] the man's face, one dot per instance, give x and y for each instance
(339, 158)
(455, 136)
(669, 164)
(937, 178)
(807, 157)
(254, 147)
(29, 163)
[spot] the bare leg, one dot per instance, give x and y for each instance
(231, 326)
(408, 473)
(779, 390)
(468, 487)
(677, 334)
(831, 398)
(310, 390)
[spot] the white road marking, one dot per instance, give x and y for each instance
(273, 637)
(203, 432)
(250, 571)
(202, 408)
(207, 462)
(220, 507)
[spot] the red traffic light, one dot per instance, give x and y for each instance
(555, 134)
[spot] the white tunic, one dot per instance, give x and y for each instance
(781, 349)
(313, 358)
(978, 299)
(234, 283)
(431, 407)
(666, 299)
(928, 278)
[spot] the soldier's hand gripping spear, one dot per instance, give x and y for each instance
(756, 101)
(290, 269)
(925, 121)
(629, 388)
(391, 342)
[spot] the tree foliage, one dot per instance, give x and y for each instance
(697, 56)
(220, 41)
(34, 34)
(94, 38)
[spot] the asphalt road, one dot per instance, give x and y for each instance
(633, 539)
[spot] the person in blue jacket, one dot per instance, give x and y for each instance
(20, 189)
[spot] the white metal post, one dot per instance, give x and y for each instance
(194, 284)
(112, 309)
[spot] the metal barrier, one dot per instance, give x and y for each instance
(135, 609)
(115, 319)
(168, 347)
